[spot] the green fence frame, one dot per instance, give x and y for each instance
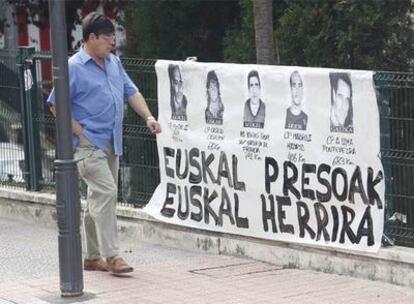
(139, 172)
(395, 95)
(12, 166)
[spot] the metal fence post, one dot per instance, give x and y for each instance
(21, 58)
(385, 137)
(33, 128)
(31, 136)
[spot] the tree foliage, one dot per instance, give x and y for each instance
(178, 29)
(239, 42)
(369, 34)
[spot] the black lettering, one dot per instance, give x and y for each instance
(346, 225)
(335, 223)
(366, 231)
(340, 196)
(307, 168)
(165, 211)
(241, 222)
(281, 214)
(207, 209)
(168, 152)
(225, 208)
(205, 163)
(322, 222)
(355, 185)
(372, 193)
(178, 164)
(223, 169)
(303, 219)
(195, 178)
(268, 215)
(196, 190)
(289, 181)
(238, 185)
(324, 197)
(183, 215)
(270, 178)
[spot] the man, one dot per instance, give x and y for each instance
(178, 100)
(215, 108)
(254, 107)
(341, 103)
(98, 87)
(295, 118)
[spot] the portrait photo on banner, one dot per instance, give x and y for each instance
(178, 100)
(254, 107)
(341, 102)
(296, 118)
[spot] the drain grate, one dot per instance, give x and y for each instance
(235, 270)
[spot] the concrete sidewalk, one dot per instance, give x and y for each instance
(29, 275)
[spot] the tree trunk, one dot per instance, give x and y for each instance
(263, 25)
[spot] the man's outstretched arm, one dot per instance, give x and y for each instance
(139, 105)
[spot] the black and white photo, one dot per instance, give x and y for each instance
(178, 100)
(341, 103)
(254, 107)
(296, 119)
(215, 107)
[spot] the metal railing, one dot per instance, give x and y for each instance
(395, 92)
(11, 141)
(139, 173)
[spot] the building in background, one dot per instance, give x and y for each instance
(26, 23)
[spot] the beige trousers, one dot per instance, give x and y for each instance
(99, 170)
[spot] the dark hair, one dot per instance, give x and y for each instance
(97, 24)
(335, 77)
(291, 76)
(171, 69)
(345, 77)
(252, 73)
(212, 76)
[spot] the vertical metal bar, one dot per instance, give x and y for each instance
(33, 127)
(23, 55)
(383, 100)
(67, 191)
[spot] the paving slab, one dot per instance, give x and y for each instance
(29, 275)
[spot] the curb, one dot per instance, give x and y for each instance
(393, 264)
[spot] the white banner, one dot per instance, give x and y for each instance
(273, 152)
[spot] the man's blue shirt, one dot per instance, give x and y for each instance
(98, 97)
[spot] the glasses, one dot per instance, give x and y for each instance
(108, 36)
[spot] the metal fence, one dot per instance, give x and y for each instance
(11, 141)
(395, 92)
(139, 174)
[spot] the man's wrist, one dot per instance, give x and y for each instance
(150, 118)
